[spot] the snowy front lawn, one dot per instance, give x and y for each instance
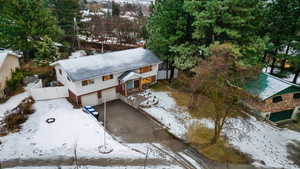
(266, 144)
(169, 114)
(72, 128)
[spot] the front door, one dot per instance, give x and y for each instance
(136, 84)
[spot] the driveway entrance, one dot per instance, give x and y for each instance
(132, 126)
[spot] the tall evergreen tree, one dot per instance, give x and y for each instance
(282, 24)
(115, 9)
(234, 21)
(167, 26)
(24, 23)
(66, 11)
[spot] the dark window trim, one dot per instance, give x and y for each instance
(296, 96)
(277, 99)
(111, 76)
(87, 82)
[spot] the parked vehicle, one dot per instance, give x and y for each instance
(91, 110)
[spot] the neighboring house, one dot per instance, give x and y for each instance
(91, 80)
(9, 62)
(278, 100)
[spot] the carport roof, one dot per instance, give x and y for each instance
(102, 64)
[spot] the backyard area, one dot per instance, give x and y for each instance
(244, 138)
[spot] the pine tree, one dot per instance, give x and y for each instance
(23, 23)
(234, 21)
(282, 23)
(66, 11)
(167, 27)
(115, 9)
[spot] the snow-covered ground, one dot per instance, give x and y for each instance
(72, 128)
(169, 114)
(265, 143)
(12, 103)
(261, 141)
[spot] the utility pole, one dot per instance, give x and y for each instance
(104, 121)
(76, 32)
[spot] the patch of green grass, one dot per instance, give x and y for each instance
(161, 86)
(221, 151)
(295, 125)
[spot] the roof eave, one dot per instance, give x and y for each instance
(75, 80)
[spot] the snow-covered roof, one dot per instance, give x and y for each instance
(267, 86)
(130, 76)
(4, 53)
(77, 54)
(102, 64)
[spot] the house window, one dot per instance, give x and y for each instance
(107, 77)
(146, 69)
(277, 99)
(296, 96)
(87, 82)
(147, 80)
(60, 72)
(130, 85)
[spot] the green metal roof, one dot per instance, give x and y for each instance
(266, 86)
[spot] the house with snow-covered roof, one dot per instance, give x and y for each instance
(91, 80)
(278, 100)
(9, 62)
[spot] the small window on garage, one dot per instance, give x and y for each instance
(87, 82)
(107, 77)
(277, 99)
(296, 96)
(60, 71)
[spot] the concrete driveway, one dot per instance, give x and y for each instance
(132, 126)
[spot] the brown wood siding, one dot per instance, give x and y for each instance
(288, 102)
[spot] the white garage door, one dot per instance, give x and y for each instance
(90, 99)
(109, 94)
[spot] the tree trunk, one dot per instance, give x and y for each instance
(296, 76)
(273, 62)
(273, 65)
(167, 72)
(284, 60)
(264, 57)
(282, 65)
(172, 74)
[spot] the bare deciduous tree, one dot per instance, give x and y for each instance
(215, 85)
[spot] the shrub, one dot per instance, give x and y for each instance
(26, 108)
(13, 121)
(14, 83)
